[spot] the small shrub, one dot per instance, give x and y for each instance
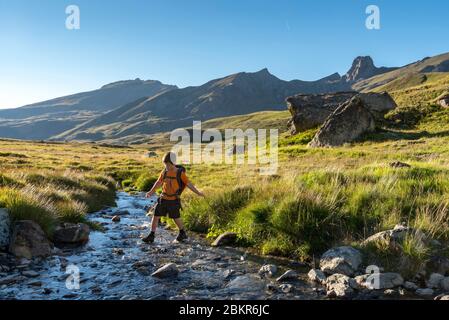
(145, 182)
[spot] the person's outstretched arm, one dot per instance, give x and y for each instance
(195, 190)
(156, 186)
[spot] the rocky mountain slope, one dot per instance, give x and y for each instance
(111, 113)
(45, 119)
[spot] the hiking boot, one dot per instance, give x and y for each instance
(149, 238)
(182, 236)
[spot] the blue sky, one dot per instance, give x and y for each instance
(190, 42)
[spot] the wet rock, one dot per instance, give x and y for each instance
(35, 284)
(47, 291)
(268, 270)
(286, 288)
(30, 274)
(271, 288)
(340, 286)
(5, 229)
(410, 286)
(70, 296)
(380, 281)
(245, 283)
(425, 292)
(227, 238)
(122, 213)
(343, 260)
(71, 233)
(167, 271)
(435, 281)
(288, 275)
(116, 219)
(8, 280)
(29, 240)
(118, 251)
(317, 276)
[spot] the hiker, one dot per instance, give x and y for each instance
(173, 180)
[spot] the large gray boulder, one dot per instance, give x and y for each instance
(71, 233)
(346, 124)
(343, 260)
(5, 229)
(311, 110)
(378, 104)
(28, 240)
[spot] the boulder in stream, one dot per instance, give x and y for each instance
(71, 233)
(167, 271)
(29, 241)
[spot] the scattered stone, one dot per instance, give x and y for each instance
(343, 260)
(29, 240)
(30, 274)
(391, 292)
(444, 101)
(5, 229)
(410, 286)
(286, 288)
(268, 270)
(288, 275)
(394, 236)
(380, 281)
(244, 283)
(340, 285)
(71, 233)
(122, 213)
(227, 238)
(116, 219)
(167, 271)
(271, 288)
(317, 275)
(11, 279)
(118, 251)
(434, 281)
(47, 291)
(35, 284)
(398, 164)
(424, 292)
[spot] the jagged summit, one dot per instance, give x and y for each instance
(363, 68)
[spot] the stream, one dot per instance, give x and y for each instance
(117, 265)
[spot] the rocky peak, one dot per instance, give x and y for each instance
(362, 68)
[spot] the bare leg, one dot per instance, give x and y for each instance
(179, 223)
(155, 223)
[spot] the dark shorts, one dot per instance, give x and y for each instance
(171, 208)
